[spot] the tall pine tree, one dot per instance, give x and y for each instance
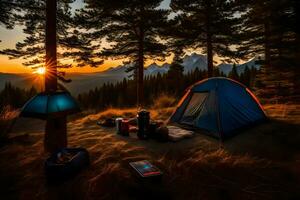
(9, 10)
(209, 25)
(132, 29)
(269, 29)
(71, 45)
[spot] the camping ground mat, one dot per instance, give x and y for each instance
(177, 133)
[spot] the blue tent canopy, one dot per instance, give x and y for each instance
(49, 105)
(219, 105)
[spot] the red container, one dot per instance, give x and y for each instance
(125, 128)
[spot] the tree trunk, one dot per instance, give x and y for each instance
(296, 72)
(140, 76)
(267, 45)
(297, 21)
(51, 60)
(210, 64)
(56, 130)
(55, 134)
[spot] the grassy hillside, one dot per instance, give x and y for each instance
(260, 163)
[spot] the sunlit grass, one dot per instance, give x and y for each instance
(198, 166)
(164, 101)
(7, 115)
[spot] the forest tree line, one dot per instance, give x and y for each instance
(122, 94)
(141, 30)
(173, 84)
(15, 97)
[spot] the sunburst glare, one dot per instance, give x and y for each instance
(40, 71)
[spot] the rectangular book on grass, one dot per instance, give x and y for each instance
(145, 169)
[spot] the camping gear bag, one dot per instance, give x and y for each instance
(66, 163)
(109, 122)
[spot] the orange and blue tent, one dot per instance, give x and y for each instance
(219, 105)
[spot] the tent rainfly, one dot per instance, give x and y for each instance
(221, 106)
(50, 105)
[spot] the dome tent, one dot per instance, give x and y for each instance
(219, 105)
(50, 105)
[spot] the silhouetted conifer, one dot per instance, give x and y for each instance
(206, 24)
(132, 27)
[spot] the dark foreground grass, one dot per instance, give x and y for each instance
(260, 163)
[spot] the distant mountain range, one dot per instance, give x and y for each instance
(190, 63)
(82, 82)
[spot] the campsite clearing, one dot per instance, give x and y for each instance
(261, 163)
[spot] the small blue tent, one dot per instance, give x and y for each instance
(50, 105)
(218, 105)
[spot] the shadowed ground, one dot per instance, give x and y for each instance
(261, 163)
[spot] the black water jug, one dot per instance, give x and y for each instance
(143, 118)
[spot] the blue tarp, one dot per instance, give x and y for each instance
(228, 106)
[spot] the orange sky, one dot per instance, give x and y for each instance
(12, 66)
(10, 37)
(15, 66)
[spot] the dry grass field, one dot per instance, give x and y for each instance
(262, 162)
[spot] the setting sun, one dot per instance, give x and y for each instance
(40, 71)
